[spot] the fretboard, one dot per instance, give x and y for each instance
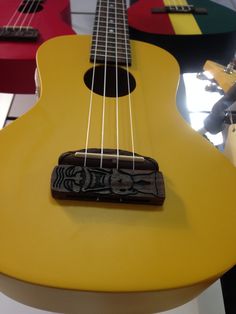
(110, 41)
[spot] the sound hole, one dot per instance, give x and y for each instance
(30, 6)
(111, 86)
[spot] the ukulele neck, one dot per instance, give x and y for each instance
(110, 40)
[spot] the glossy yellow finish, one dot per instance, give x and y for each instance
(179, 21)
(102, 246)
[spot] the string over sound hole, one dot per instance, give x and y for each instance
(30, 6)
(126, 81)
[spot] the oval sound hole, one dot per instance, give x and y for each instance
(110, 90)
(30, 6)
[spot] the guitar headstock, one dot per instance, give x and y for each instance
(224, 78)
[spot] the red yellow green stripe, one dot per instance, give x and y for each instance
(183, 24)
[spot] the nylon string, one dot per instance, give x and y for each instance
(117, 93)
(92, 85)
(104, 87)
(14, 14)
(176, 3)
(33, 14)
(128, 83)
(10, 22)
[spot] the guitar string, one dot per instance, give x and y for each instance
(117, 91)
(128, 82)
(104, 88)
(14, 14)
(176, 3)
(26, 14)
(92, 83)
(21, 14)
(30, 14)
(33, 14)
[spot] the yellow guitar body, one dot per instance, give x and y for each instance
(106, 247)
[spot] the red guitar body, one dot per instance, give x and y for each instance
(17, 58)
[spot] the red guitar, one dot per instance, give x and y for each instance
(24, 25)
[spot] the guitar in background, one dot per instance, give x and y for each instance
(225, 76)
(223, 79)
(24, 26)
(222, 117)
(193, 30)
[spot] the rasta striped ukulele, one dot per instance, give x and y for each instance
(24, 26)
(193, 30)
(107, 189)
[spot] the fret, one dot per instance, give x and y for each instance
(105, 8)
(103, 16)
(110, 53)
(113, 48)
(117, 54)
(111, 60)
(110, 46)
(108, 27)
(111, 39)
(112, 43)
(104, 34)
(110, 50)
(111, 33)
(116, 8)
(111, 22)
(110, 56)
(113, 16)
(115, 25)
(112, 3)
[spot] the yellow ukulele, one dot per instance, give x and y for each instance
(101, 218)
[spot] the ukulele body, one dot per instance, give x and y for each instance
(17, 58)
(114, 247)
(191, 38)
